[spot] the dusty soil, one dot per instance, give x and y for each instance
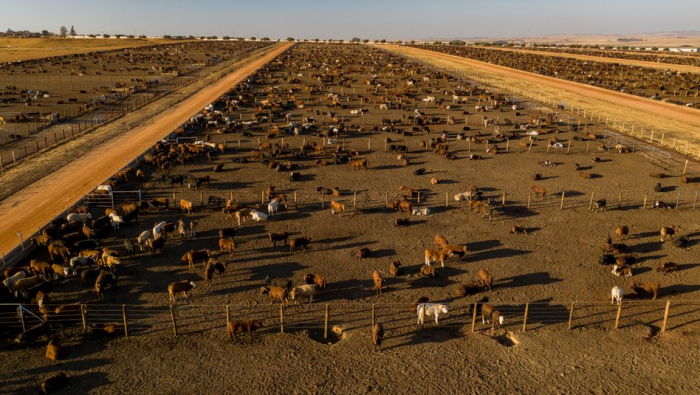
(550, 267)
(16, 49)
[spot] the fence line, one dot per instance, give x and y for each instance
(190, 318)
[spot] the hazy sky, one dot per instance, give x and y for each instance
(389, 19)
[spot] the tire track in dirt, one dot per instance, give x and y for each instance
(40, 202)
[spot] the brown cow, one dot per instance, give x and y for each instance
(186, 206)
(358, 164)
(227, 245)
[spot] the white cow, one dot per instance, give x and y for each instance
(429, 99)
(9, 282)
(79, 217)
(272, 207)
(158, 230)
(143, 238)
(106, 188)
(421, 211)
(617, 294)
(429, 309)
(258, 216)
(383, 107)
(115, 220)
(81, 262)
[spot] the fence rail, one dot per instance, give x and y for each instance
(189, 319)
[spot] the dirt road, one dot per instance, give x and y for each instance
(666, 110)
(40, 202)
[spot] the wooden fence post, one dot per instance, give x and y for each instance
(685, 167)
(527, 308)
(663, 326)
(530, 147)
(474, 316)
(571, 314)
(228, 314)
(678, 200)
(590, 205)
(83, 314)
(588, 146)
(617, 318)
(262, 197)
(418, 197)
(561, 206)
(126, 325)
(695, 201)
(372, 328)
(354, 200)
(568, 146)
(281, 318)
(529, 198)
(172, 319)
(645, 202)
(386, 199)
(503, 200)
(325, 326)
(619, 200)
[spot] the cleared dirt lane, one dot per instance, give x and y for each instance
(40, 202)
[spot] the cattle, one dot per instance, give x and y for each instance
(395, 268)
(63, 271)
(460, 251)
(669, 231)
(539, 191)
(667, 267)
(621, 232)
(186, 206)
(192, 256)
(115, 220)
(299, 242)
(79, 217)
(377, 336)
(26, 283)
(40, 268)
(599, 205)
(227, 232)
(54, 383)
(56, 250)
(249, 326)
(617, 294)
(641, 289)
(161, 202)
(227, 245)
(517, 230)
(420, 211)
(143, 239)
(317, 279)
(87, 276)
(103, 279)
(440, 241)
(279, 282)
(622, 270)
(430, 309)
(154, 245)
(183, 287)
(435, 255)
(277, 237)
(363, 253)
(9, 282)
(358, 164)
(486, 279)
(378, 281)
(468, 288)
(275, 293)
(307, 290)
(337, 207)
(428, 271)
(402, 222)
(489, 313)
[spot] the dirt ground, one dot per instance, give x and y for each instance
(552, 266)
(16, 49)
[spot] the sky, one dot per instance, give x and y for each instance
(333, 19)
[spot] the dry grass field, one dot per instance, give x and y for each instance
(17, 49)
(555, 264)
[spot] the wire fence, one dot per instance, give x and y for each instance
(185, 319)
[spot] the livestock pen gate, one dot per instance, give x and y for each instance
(113, 199)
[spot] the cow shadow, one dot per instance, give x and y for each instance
(278, 270)
(649, 258)
(428, 333)
(516, 211)
(524, 280)
(499, 253)
(383, 253)
(350, 290)
(645, 234)
(680, 289)
(484, 245)
(647, 247)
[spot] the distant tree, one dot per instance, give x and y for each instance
(365, 41)
(63, 32)
(213, 38)
(45, 33)
(457, 42)
(143, 36)
(72, 32)
(355, 40)
(167, 36)
(92, 36)
(106, 35)
(118, 35)
(226, 38)
(667, 49)
(190, 37)
(252, 38)
(306, 40)
(265, 39)
(316, 40)
(341, 41)
(130, 36)
(240, 38)
(383, 41)
(290, 38)
(376, 41)
(413, 42)
(654, 48)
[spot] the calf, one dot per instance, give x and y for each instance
(186, 206)
(276, 293)
(358, 164)
(377, 336)
(363, 253)
(154, 245)
(277, 237)
(489, 313)
(54, 383)
(299, 242)
(599, 205)
(227, 245)
(460, 251)
(304, 290)
(430, 309)
(433, 255)
(645, 289)
(183, 287)
(428, 271)
(378, 281)
(337, 208)
(669, 231)
(317, 279)
(402, 222)
(622, 232)
(395, 268)
(667, 267)
(249, 326)
(440, 241)
(539, 191)
(486, 279)
(617, 293)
